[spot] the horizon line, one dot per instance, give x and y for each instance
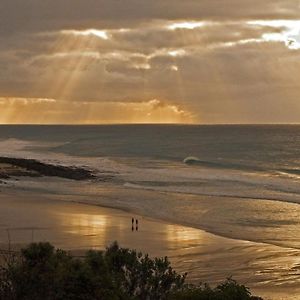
(141, 124)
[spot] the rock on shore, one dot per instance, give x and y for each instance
(33, 168)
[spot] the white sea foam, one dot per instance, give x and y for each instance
(191, 160)
(172, 192)
(179, 179)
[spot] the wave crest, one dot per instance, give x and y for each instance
(191, 160)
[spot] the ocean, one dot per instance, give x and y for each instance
(237, 181)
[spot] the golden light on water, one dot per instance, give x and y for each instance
(183, 235)
(100, 230)
(91, 227)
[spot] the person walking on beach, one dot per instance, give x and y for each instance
(136, 224)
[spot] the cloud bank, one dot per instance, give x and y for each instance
(112, 61)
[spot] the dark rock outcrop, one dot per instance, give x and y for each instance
(37, 168)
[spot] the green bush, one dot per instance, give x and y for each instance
(229, 290)
(42, 272)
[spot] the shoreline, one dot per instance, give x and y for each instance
(11, 190)
(78, 222)
(108, 194)
(205, 256)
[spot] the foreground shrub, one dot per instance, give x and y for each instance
(42, 272)
(229, 290)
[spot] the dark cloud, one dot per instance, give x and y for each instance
(35, 15)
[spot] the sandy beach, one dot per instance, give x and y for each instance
(72, 215)
(183, 116)
(28, 217)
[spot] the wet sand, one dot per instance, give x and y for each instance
(268, 270)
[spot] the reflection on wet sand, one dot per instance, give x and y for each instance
(98, 230)
(206, 257)
(84, 224)
(182, 234)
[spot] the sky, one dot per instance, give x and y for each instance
(149, 61)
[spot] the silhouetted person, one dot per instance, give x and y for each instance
(136, 224)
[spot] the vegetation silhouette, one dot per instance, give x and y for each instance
(40, 271)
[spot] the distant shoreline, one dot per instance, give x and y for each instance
(147, 124)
